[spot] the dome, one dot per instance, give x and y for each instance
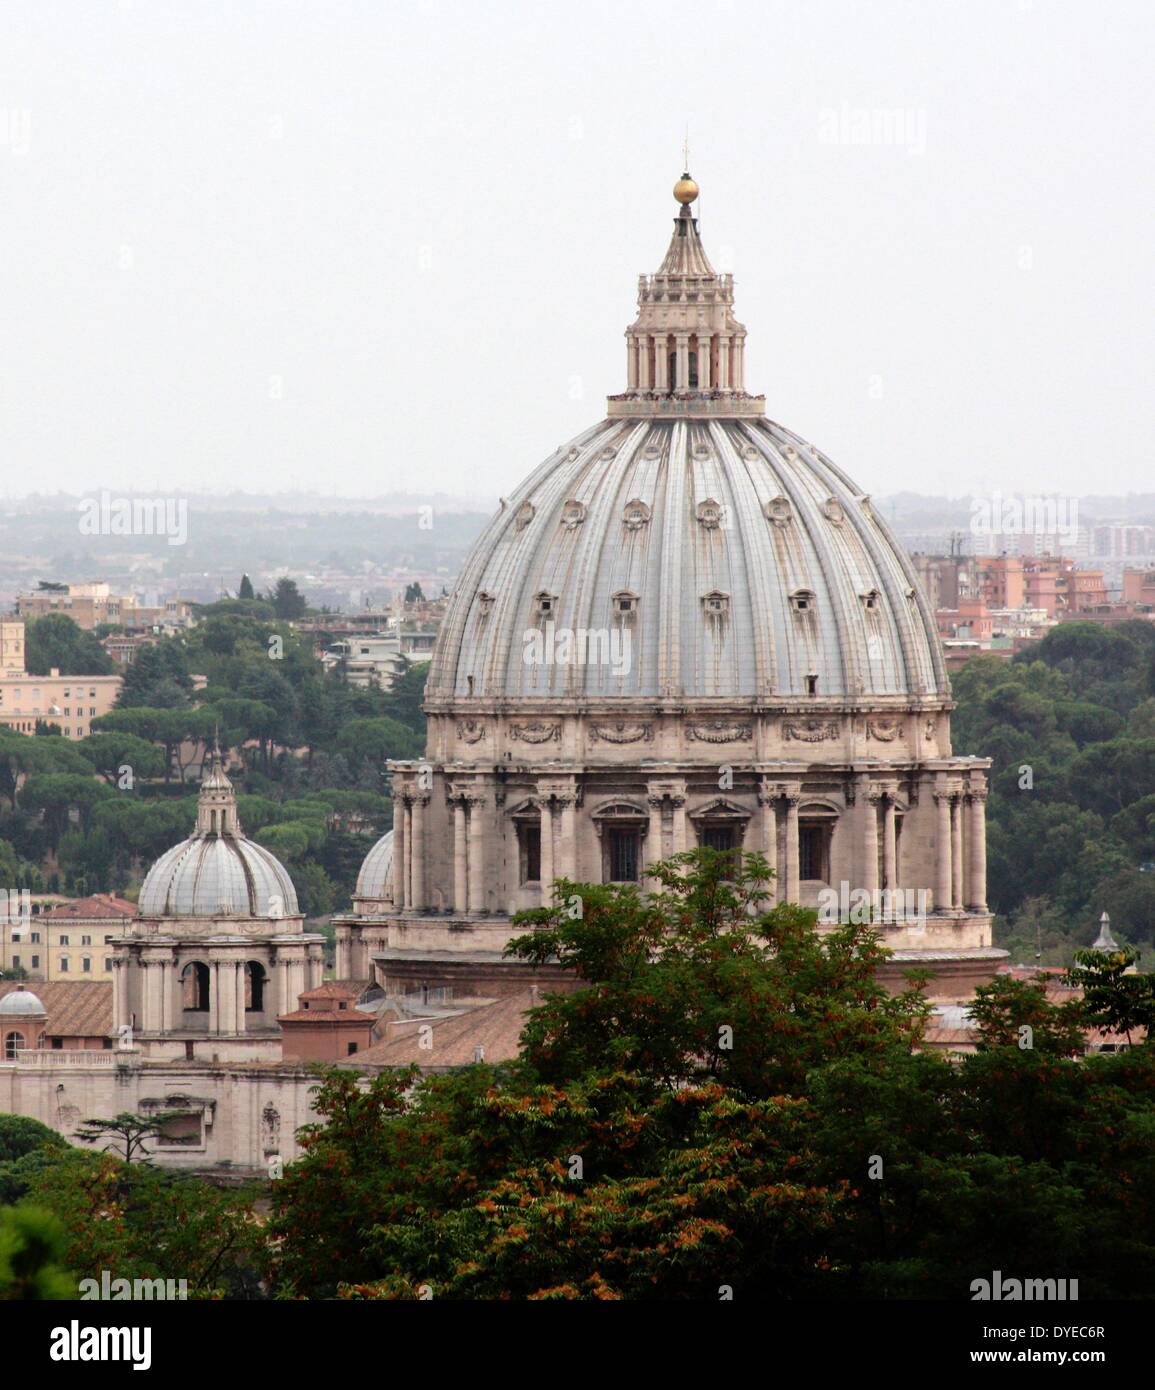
(221, 876)
(217, 872)
(375, 878)
(21, 1001)
(726, 557)
(687, 547)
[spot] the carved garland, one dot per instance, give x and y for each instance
(622, 733)
(718, 732)
(535, 733)
(810, 730)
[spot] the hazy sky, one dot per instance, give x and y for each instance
(361, 247)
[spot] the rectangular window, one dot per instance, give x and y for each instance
(35, 936)
(720, 835)
(352, 1047)
(16, 962)
(86, 940)
(86, 965)
(35, 962)
(814, 852)
(108, 963)
(181, 1131)
(64, 965)
(530, 853)
(64, 941)
(622, 855)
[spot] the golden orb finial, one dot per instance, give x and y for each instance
(685, 190)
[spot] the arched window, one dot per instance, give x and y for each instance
(255, 981)
(194, 983)
(12, 1041)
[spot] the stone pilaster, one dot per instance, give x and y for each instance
(977, 802)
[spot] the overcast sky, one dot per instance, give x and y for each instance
(360, 247)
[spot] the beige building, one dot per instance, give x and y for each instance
(70, 941)
(73, 702)
(688, 626)
(11, 647)
(90, 605)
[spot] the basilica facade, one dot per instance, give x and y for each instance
(687, 626)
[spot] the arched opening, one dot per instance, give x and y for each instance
(255, 981)
(194, 984)
(12, 1043)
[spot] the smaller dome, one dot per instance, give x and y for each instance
(21, 1001)
(376, 877)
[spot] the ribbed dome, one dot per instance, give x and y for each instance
(749, 560)
(217, 872)
(215, 876)
(375, 878)
(21, 1001)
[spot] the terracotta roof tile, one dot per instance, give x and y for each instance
(98, 907)
(75, 1009)
(495, 1026)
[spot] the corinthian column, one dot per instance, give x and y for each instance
(703, 364)
(683, 362)
(767, 795)
(477, 806)
(655, 801)
(460, 857)
(978, 848)
(956, 852)
(793, 798)
(547, 869)
(567, 867)
(868, 799)
(942, 849)
(400, 896)
(417, 852)
(167, 975)
(119, 1002)
(678, 812)
(889, 844)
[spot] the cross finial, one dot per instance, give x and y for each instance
(686, 150)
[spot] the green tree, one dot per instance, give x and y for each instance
(32, 1247)
(127, 1133)
(287, 600)
(246, 588)
(56, 642)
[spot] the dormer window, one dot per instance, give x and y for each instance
(870, 599)
(545, 605)
(802, 600)
(625, 603)
(716, 603)
(636, 514)
(485, 603)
